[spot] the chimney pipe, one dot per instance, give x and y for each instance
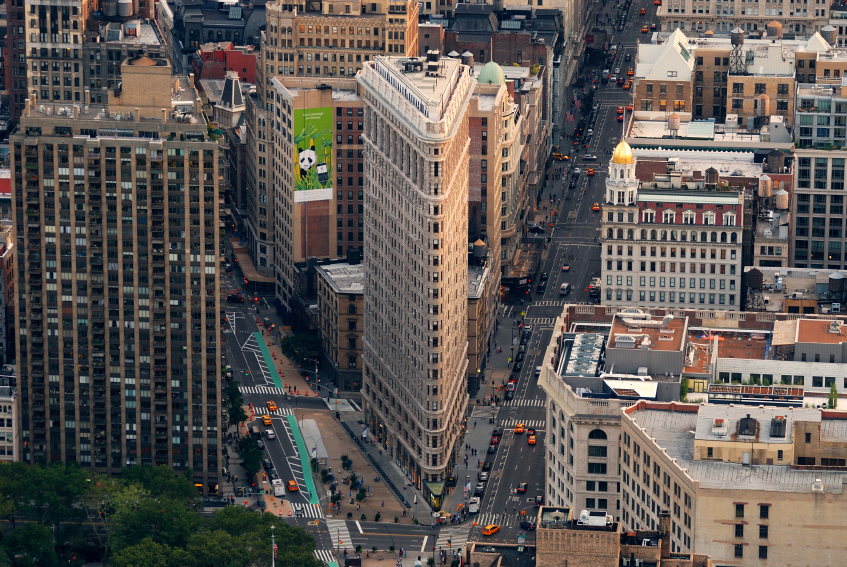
(87, 97)
(164, 115)
(137, 115)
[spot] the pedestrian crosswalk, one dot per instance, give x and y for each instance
(339, 534)
(312, 511)
(531, 403)
(539, 321)
(548, 303)
(324, 555)
(504, 521)
(270, 390)
(450, 538)
(528, 423)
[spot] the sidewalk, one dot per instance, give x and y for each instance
(403, 489)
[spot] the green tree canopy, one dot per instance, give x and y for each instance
(31, 545)
(301, 345)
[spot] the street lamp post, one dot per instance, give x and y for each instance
(317, 386)
(273, 547)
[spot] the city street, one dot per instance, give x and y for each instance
(573, 242)
(574, 236)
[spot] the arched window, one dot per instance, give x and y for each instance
(351, 309)
(211, 35)
(714, 237)
(673, 236)
(693, 236)
(704, 237)
(228, 35)
(723, 237)
(643, 234)
(664, 235)
(733, 238)
(630, 234)
(653, 234)
(220, 35)
(597, 434)
(620, 233)
(610, 233)
(620, 174)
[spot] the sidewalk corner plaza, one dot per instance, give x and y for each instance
(269, 361)
(304, 459)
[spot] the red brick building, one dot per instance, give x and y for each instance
(215, 59)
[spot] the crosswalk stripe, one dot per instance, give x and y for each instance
(530, 423)
(312, 511)
(457, 537)
(509, 521)
(539, 320)
(524, 402)
(339, 533)
(324, 555)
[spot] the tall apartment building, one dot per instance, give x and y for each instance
(116, 216)
(8, 423)
(416, 224)
(730, 476)
(15, 68)
(340, 319)
(55, 36)
(669, 248)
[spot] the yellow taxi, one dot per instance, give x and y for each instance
(627, 85)
(620, 110)
(266, 420)
(629, 107)
(644, 29)
(519, 428)
(590, 171)
(642, 11)
(561, 157)
(630, 71)
(272, 406)
(490, 529)
(595, 207)
(292, 486)
(531, 439)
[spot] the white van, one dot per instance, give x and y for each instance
(473, 505)
(564, 289)
(279, 490)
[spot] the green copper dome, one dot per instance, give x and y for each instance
(491, 73)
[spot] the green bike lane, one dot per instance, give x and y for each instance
(297, 441)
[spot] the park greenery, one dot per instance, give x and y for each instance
(149, 517)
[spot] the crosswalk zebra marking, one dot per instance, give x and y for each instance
(457, 537)
(525, 402)
(527, 423)
(324, 555)
(539, 321)
(339, 533)
(509, 521)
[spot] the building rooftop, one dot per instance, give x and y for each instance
(786, 284)
(728, 164)
(344, 277)
(486, 102)
(730, 343)
(633, 329)
(131, 32)
(820, 332)
(688, 196)
(817, 90)
(745, 423)
(476, 280)
(427, 86)
(775, 228)
(674, 431)
(214, 89)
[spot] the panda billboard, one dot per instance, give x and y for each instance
(313, 154)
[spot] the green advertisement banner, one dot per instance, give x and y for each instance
(313, 154)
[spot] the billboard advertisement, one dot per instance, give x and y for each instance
(313, 154)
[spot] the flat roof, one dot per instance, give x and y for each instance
(819, 332)
(665, 338)
(732, 429)
(674, 431)
(344, 277)
(476, 280)
(633, 388)
(738, 164)
(688, 196)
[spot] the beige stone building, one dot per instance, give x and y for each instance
(54, 38)
(341, 312)
(733, 477)
(117, 208)
(9, 427)
(595, 539)
(416, 277)
(721, 17)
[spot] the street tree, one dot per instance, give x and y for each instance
(31, 545)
